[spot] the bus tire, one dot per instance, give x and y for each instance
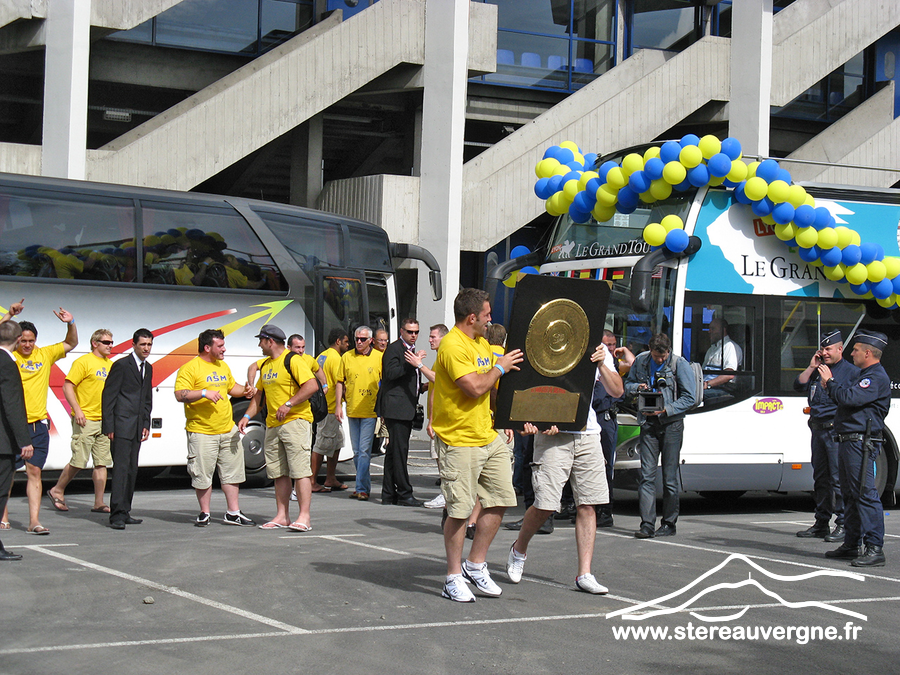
(722, 496)
(252, 445)
(886, 470)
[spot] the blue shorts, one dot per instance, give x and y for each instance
(40, 439)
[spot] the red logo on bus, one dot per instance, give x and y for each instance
(761, 229)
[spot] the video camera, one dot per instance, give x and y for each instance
(651, 400)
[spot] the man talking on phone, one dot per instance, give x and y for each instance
(826, 482)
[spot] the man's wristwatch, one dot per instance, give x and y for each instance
(288, 404)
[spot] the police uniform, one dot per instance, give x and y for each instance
(824, 455)
(862, 406)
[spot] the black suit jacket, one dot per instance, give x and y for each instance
(399, 391)
(14, 433)
(127, 399)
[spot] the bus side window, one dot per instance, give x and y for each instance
(66, 235)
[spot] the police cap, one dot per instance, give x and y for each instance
(830, 337)
(870, 337)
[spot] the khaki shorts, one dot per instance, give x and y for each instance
(558, 457)
(329, 436)
(470, 473)
(89, 443)
(208, 451)
(432, 448)
(287, 450)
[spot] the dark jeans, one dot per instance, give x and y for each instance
(826, 477)
(660, 439)
(863, 514)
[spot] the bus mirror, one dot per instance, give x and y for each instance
(434, 279)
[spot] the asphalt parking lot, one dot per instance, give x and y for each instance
(361, 593)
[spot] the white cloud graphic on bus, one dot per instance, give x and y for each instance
(637, 613)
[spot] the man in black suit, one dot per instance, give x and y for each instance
(15, 437)
(401, 384)
(127, 399)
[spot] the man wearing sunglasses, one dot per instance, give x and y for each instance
(83, 390)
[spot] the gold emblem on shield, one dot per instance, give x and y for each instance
(557, 337)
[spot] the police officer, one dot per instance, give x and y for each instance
(826, 478)
(862, 406)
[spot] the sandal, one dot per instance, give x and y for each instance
(38, 529)
(272, 525)
(5, 525)
(58, 504)
(299, 527)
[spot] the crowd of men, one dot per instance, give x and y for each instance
(380, 383)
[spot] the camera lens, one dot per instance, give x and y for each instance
(661, 383)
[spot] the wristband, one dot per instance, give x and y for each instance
(420, 366)
(247, 416)
(72, 322)
(203, 393)
(500, 368)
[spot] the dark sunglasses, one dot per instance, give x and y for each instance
(359, 339)
(412, 332)
(105, 342)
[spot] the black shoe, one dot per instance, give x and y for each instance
(873, 557)
(546, 528)
(388, 501)
(567, 511)
(843, 551)
(646, 532)
(437, 482)
(604, 517)
(133, 521)
(9, 555)
(410, 501)
(470, 531)
(837, 534)
(117, 525)
(817, 531)
(665, 530)
(516, 525)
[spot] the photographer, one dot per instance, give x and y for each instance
(662, 430)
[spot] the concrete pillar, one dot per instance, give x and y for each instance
(751, 74)
(306, 162)
(443, 126)
(64, 144)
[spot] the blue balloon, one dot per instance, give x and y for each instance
(832, 257)
(895, 282)
(572, 175)
(851, 255)
(575, 165)
(783, 213)
(867, 252)
(639, 182)
(732, 148)
(763, 207)
(879, 252)
(804, 215)
(785, 175)
(677, 240)
(584, 202)
(690, 139)
(578, 216)
(628, 197)
(653, 169)
(589, 160)
(683, 186)
(719, 165)
(528, 270)
(555, 184)
(860, 289)
(808, 254)
(551, 152)
(883, 289)
(564, 155)
(740, 195)
(593, 185)
(541, 188)
(768, 170)
(519, 251)
(823, 218)
(670, 151)
(698, 176)
(604, 169)
(626, 208)
(729, 183)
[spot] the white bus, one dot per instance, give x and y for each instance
(178, 263)
(754, 437)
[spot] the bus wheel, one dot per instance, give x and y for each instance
(722, 496)
(252, 444)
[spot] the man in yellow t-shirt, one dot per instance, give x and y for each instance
(35, 364)
(358, 385)
(474, 461)
(83, 390)
(329, 432)
(203, 385)
(288, 427)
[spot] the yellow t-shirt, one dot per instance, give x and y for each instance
(330, 362)
(35, 374)
(88, 375)
(276, 382)
(203, 416)
(459, 419)
(307, 359)
(360, 375)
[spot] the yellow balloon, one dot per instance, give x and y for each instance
(809, 201)
(607, 195)
(844, 236)
(570, 189)
(570, 145)
(854, 237)
(553, 206)
(796, 195)
(778, 191)
(710, 145)
(768, 220)
(786, 232)
(647, 197)
(585, 177)
(674, 173)
(632, 162)
(876, 271)
(672, 222)
(660, 189)
(756, 188)
(510, 281)
(616, 177)
(856, 274)
(561, 170)
(655, 234)
(891, 266)
(603, 213)
(690, 156)
(828, 238)
(835, 273)
(717, 180)
(807, 237)
(751, 169)
(887, 302)
(738, 171)
(651, 152)
(579, 158)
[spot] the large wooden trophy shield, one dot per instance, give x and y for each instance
(557, 323)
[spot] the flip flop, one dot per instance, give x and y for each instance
(5, 525)
(336, 488)
(58, 504)
(271, 525)
(299, 527)
(102, 509)
(38, 529)
(322, 488)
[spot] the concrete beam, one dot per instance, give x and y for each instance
(13, 10)
(126, 14)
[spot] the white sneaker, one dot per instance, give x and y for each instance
(515, 564)
(479, 575)
(294, 495)
(455, 589)
(588, 584)
(437, 503)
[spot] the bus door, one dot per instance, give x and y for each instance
(341, 302)
(381, 308)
